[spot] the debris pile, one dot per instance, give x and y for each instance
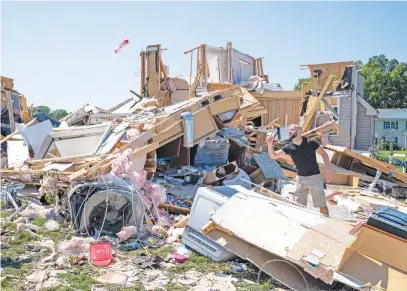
(194, 177)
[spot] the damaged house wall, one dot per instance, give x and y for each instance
(217, 64)
(242, 66)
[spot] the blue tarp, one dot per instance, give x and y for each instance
(42, 117)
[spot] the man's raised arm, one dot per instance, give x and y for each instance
(280, 154)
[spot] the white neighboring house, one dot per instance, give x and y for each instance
(391, 126)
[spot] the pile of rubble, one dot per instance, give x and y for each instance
(194, 177)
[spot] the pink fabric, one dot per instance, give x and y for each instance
(156, 191)
(127, 232)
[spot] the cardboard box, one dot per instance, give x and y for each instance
(376, 258)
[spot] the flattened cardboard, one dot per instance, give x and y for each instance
(376, 258)
(381, 246)
(204, 124)
(368, 271)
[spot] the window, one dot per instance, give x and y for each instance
(336, 109)
(390, 125)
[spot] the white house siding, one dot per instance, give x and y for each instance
(345, 110)
(364, 129)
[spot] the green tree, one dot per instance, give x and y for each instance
(300, 81)
(43, 109)
(58, 113)
(385, 82)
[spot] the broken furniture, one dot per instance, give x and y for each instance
(286, 232)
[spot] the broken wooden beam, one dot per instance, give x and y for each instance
(174, 209)
(309, 114)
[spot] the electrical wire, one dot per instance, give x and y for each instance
(107, 206)
(283, 261)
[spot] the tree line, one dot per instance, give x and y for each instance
(56, 113)
(385, 82)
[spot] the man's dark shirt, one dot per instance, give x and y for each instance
(304, 156)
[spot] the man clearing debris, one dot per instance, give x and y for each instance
(302, 152)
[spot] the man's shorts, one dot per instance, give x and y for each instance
(311, 184)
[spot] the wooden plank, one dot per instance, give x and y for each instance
(190, 72)
(311, 111)
(162, 67)
(77, 175)
(153, 72)
(9, 105)
(195, 48)
(143, 72)
(17, 171)
(174, 209)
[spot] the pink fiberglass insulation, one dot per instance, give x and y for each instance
(123, 167)
(154, 194)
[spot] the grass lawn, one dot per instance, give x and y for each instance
(387, 153)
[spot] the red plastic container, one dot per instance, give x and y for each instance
(100, 253)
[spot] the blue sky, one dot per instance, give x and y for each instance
(60, 54)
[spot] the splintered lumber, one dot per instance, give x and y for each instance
(77, 174)
(314, 106)
(67, 159)
(17, 131)
(373, 163)
(174, 209)
(327, 127)
(32, 172)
